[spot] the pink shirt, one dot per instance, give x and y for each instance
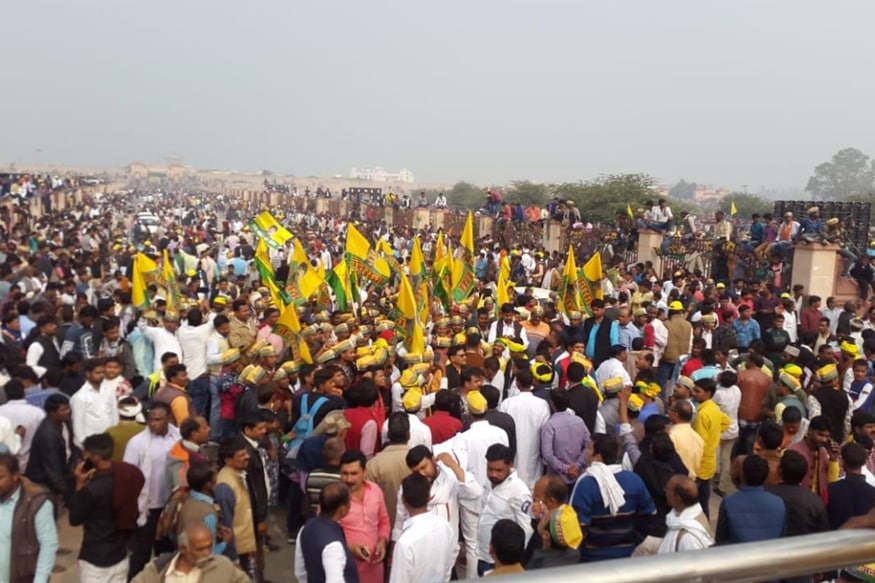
(366, 523)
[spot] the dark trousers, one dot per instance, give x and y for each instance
(704, 495)
(294, 511)
(199, 391)
(664, 372)
(142, 542)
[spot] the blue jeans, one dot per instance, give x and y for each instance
(199, 391)
(215, 407)
(664, 374)
(483, 566)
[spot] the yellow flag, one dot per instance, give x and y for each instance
(289, 327)
(414, 339)
(467, 240)
(629, 210)
(501, 295)
(169, 277)
(142, 266)
(357, 244)
(591, 287)
(569, 292)
(732, 209)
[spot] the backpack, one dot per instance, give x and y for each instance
(170, 513)
(303, 429)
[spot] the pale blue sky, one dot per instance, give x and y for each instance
(726, 92)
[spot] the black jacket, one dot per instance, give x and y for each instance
(103, 544)
(806, 513)
(848, 498)
(48, 464)
(255, 480)
(585, 404)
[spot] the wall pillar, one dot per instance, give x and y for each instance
(648, 242)
(814, 266)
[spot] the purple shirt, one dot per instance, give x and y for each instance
(564, 439)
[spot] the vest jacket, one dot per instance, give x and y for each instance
(168, 393)
(50, 358)
(319, 533)
(602, 339)
(244, 525)
(357, 417)
(679, 332)
(25, 546)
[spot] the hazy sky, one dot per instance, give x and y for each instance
(725, 92)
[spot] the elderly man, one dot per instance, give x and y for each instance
(194, 561)
(688, 528)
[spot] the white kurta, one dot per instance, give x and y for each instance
(425, 551)
(420, 434)
(470, 449)
(530, 414)
(93, 411)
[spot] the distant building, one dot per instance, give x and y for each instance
(704, 194)
(379, 174)
(173, 171)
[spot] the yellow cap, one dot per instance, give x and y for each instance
(542, 372)
(793, 369)
(410, 378)
(850, 348)
(412, 400)
(565, 527)
(635, 402)
(476, 403)
(827, 373)
(676, 306)
(229, 356)
(612, 385)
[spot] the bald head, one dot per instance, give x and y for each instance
(550, 490)
(684, 411)
(681, 492)
(334, 500)
(195, 544)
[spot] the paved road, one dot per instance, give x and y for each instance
(279, 565)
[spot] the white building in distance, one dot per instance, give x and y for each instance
(379, 174)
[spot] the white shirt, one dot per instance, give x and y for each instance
(790, 325)
(446, 490)
(20, 412)
(470, 449)
(8, 437)
(149, 452)
(333, 561)
(499, 329)
(93, 411)
(661, 215)
(162, 341)
(612, 368)
(193, 341)
(175, 576)
(530, 414)
(510, 499)
(420, 434)
(728, 399)
(425, 552)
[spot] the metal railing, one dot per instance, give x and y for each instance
(741, 563)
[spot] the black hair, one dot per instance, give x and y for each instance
(508, 541)
(499, 452)
(416, 454)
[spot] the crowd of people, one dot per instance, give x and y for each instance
(662, 416)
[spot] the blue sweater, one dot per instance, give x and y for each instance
(751, 514)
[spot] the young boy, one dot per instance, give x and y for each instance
(860, 390)
(113, 377)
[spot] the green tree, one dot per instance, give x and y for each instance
(683, 190)
(600, 199)
(850, 173)
(467, 195)
(747, 204)
(526, 192)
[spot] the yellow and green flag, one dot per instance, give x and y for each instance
(265, 226)
(407, 318)
(569, 291)
(463, 279)
(143, 272)
(168, 276)
(289, 327)
(590, 281)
